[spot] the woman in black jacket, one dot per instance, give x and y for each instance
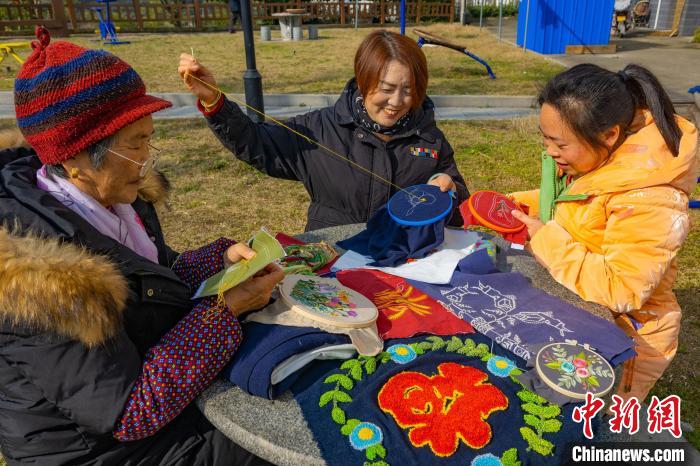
(383, 121)
(102, 350)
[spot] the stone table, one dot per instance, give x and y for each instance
(276, 429)
(288, 21)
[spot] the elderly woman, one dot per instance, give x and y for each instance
(101, 348)
(382, 121)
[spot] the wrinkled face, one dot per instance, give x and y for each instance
(573, 155)
(392, 98)
(117, 181)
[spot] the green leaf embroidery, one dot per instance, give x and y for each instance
(593, 380)
(381, 451)
(356, 372)
(377, 463)
(326, 398)
(454, 344)
(342, 379)
(350, 363)
(553, 365)
(371, 453)
(341, 397)
(384, 357)
(534, 421)
(424, 345)
(551, 425)
(529, 397)
(514, 372)
(438, 343)
(371, 366)
(549, 412)
(349, 426)
(540, 445)
(510, 458)
(338, 415)
(468, 347)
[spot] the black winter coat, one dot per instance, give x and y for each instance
(69, 353)
(340, 193)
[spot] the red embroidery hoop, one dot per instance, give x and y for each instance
(492, 210)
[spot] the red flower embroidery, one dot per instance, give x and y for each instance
(443, 409)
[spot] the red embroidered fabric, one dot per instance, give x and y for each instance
(404, 311)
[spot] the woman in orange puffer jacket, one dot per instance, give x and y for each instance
(613, 211)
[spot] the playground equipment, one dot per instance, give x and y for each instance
(428, 38)
(106, 25)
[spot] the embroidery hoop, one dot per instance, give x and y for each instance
(483, 218)
(434, 205)
(366, 310)
(547, 374)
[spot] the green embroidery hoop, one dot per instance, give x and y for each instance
(573, 370)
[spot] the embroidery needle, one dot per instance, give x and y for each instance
(305, 137)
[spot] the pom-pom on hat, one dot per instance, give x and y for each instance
(68, 97)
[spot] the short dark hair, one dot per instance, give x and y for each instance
(381, 47)
(592, 100)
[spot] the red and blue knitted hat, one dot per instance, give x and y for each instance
(68, 97)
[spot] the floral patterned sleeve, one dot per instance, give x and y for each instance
(193, 267)
(179, 368)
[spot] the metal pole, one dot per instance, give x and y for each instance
(481, 14)
(357, 8)
(462, 11)
(252, 80)
(403, 17)
(658, 10)
(527, 18)
(500, 18)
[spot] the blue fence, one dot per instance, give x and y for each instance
(548, 26)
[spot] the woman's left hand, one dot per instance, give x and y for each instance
(533, 225)
(444, 182)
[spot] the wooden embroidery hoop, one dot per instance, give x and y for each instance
(367, 312)
(574, 348)
(487, 223)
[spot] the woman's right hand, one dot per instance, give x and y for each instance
(190, 67)
(255, 292)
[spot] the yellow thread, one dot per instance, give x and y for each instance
(306, 138)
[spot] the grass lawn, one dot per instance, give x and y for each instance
(213, 189)
(325, 65)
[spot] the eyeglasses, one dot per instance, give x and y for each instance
(146, 166)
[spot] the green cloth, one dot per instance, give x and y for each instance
(553, 189)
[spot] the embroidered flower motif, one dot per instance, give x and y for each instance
(486, 460)
(441, 410)
(567, 367)
(365, 435)
(582, 372)
(500, 366)
(578, 362)
(401, 354)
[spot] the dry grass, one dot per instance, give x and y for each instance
(325, 65)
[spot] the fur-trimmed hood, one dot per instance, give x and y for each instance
(59, 288)
(154, 189)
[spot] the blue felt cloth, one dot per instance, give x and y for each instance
(505, 307)
(391, 244)
(356, 393)
(264, 347)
